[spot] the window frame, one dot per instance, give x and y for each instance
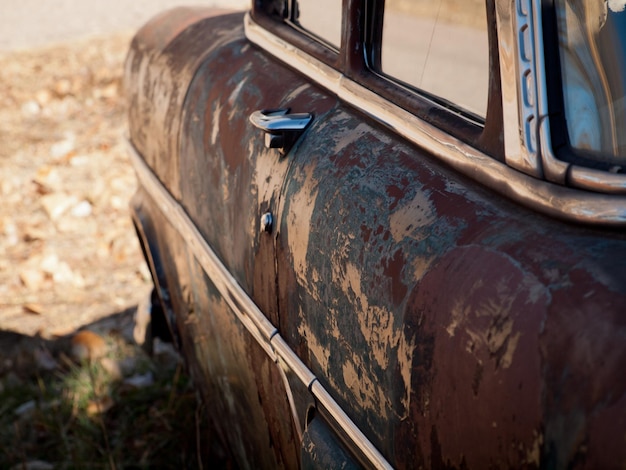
(280, 24)
(291, 21)
(374, 39)
(447, 116)
(360, 45)
(561, 145)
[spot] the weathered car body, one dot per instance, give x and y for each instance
(394, 283)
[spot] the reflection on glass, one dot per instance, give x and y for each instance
(440, 47)
(592, 41)
(320, 17)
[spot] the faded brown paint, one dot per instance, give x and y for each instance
(456, 328)
(435, 325)
(486, 351)
(160, 64)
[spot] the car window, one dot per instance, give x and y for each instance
(592, 44)
(319, 17)
(440, 47)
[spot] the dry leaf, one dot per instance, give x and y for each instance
(35, 309)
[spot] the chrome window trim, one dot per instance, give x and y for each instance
(261, 329)
(534, 155)
(517, 40)
(543, 196)
(325, 75)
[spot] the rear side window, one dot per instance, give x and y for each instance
(322, 18)
(440, 47)
(592, 46)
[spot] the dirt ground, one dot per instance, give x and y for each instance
(68, 252)
(70, 261)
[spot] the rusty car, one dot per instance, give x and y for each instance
(391, 233)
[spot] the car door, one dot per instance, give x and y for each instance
(392, 281)
(418, 295)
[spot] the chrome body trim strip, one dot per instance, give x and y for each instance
(325, 75)
(348, 427)
(292, 361)
(245, 309)
(507, 53)
(555, 200)
(519, 34)
(596, 180)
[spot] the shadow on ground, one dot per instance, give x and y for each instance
(98, 400)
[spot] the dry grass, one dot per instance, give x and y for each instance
(124, 410)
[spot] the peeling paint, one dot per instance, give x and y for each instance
(302, 207)
(375, 322)
(216, 124)
(348, 138)
(317, 349)
(408, 218)
(297, 92)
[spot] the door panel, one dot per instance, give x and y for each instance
(229, 179)
(434, 311)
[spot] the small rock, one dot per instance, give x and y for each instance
(31, 108)
(32, 234)
(56, 204)
(63, 87)
(144, 272)
(24, 408)
(129, 365)
(82, 209)
(140, 380)
(10, 232)
(80, 160)
(60, 271)
(69, 224)
(43, 97)
(48, 179)
(118, 203)
(165, 354)
(32, 278)
(62, 148)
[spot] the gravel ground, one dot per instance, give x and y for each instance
(68, 253)
(69, 257)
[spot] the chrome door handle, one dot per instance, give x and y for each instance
(281, 128)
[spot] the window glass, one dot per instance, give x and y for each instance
(592, 43)
(440, 47)
(320, 17)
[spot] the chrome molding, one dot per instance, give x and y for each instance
(324, 75)
(246, 310)
(555, 200)
(535, 155)
(518, 44)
